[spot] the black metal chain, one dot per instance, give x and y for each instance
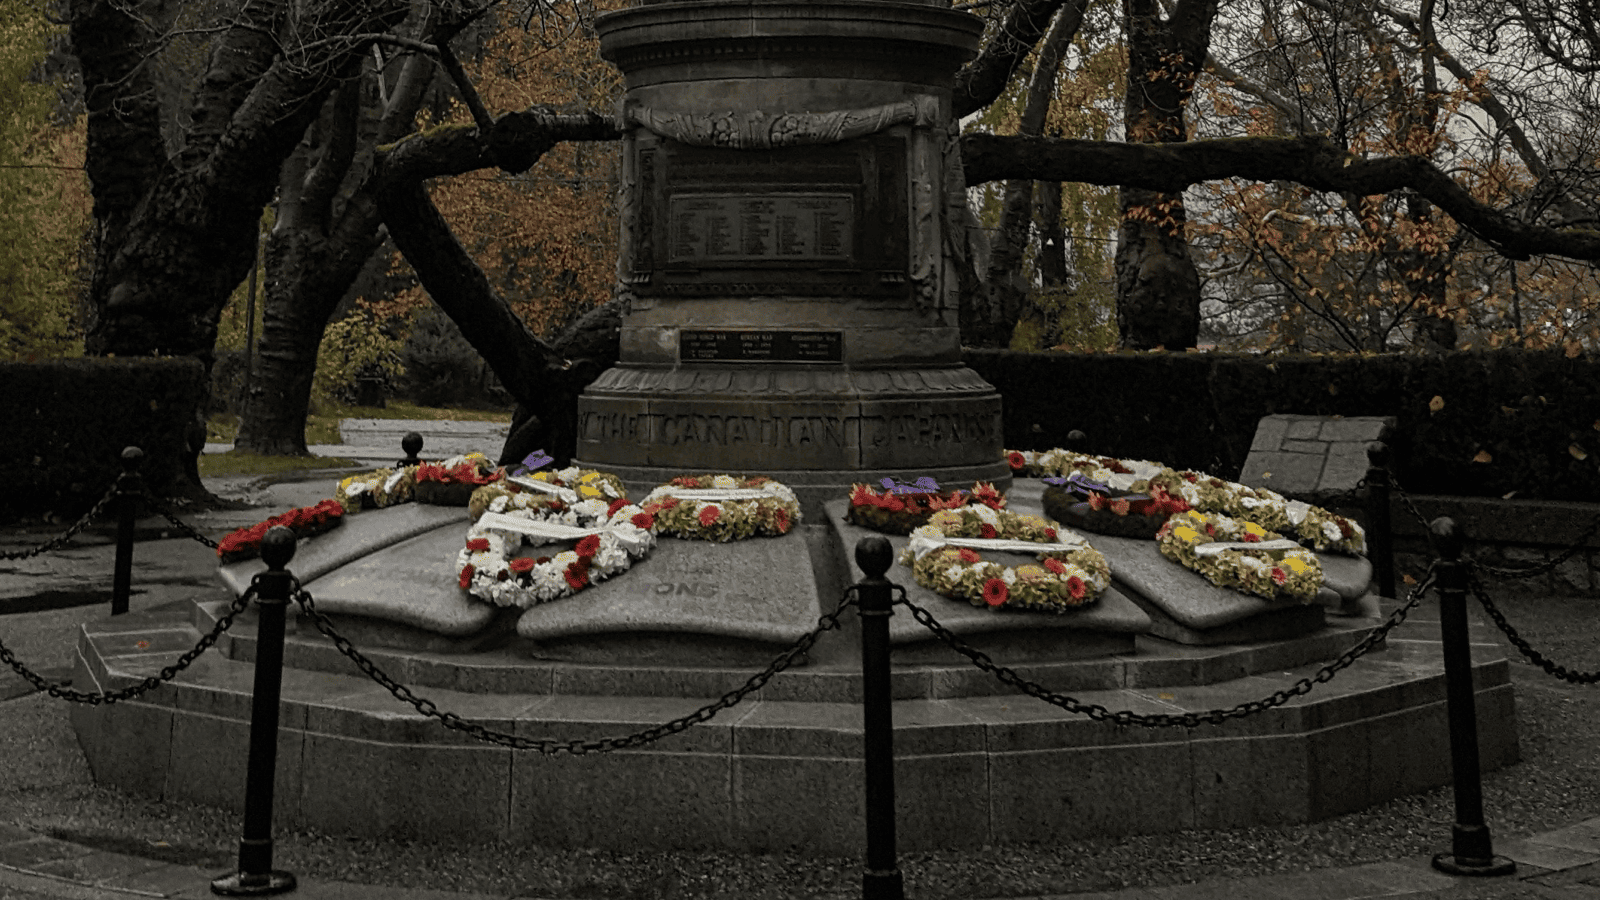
(1506, 571)
(59, 541)
(1523, 647)
(1549, 564)
(1164, 720)
(168, 673)
(181, 525)
(576, 747)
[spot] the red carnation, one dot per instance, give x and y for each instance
(1250, 537)
(643, 520)
(577, 576)
(1016, 460)
(781, 516)
(1191, 477)
(467, 572)
(986, 530)
(1050, 534)
(589, 546)
(685, 481)
(1054, 565)
(1120, 507)
(1076, 588)
(995, 592)
(1279, 576)
(478, 545)
(616, 504)
(522, 564)
(968, 555)
(708, 515)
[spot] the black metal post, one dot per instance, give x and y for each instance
(256, 877)
(882, 879)
(129, 483)
(410, 445)
(1380, 534)
(1472, 851)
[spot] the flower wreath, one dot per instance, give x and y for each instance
(1242, 555)
(306, 521)
(376, 490)
(1313, 525)
(452, 481)
(1070, 572)
(610, 537)
(540, 490)
(722, 507)
(900, 507)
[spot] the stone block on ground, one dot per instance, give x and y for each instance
(1187, 608)
(362, 534)
(1103, 627)
(684, 598)
(411, 582)
(1315, 458)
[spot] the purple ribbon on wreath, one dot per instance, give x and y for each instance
(538, 459)
(923, 485)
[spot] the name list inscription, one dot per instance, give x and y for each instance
(760, 346)
(762, 227)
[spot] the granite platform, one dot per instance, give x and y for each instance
(781, 770)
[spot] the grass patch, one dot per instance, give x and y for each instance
(323, 427)
(215, 465)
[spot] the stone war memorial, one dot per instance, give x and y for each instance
(789, 383)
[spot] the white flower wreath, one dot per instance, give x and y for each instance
(943, 555)
(610, 537)
(722, 507)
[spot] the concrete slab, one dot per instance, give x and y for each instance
(411, 582)
(1187, 608)
(760, 590)
(361, 534)
(1111, 614)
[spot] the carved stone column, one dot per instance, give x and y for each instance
(786, 190)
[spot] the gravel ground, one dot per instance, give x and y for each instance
(46, 786)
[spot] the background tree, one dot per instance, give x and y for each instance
(42, 190)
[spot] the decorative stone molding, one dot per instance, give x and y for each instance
(757, 130)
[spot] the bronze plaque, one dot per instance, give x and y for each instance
(727, 345)
(765, 227)
(829, 220)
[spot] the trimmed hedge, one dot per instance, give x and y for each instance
(68, 420)
(1526, 410)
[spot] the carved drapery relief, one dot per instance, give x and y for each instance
(757, 130)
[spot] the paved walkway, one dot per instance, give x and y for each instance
(1557, 865)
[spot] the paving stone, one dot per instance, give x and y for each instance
(1535, 851)
(1303, 428)
(1269, 433)
(1363, 429)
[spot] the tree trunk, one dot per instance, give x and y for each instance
(1158, 286)
(314, 257)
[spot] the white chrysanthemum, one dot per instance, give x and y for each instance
(1331, 531)
(986, 515)
(1009, 576)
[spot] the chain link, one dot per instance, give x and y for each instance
(1549, 666)
(62, 692)
(576, 747)
(167, 513)
(1505, 571)
(59, 541)
(1164, 720)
